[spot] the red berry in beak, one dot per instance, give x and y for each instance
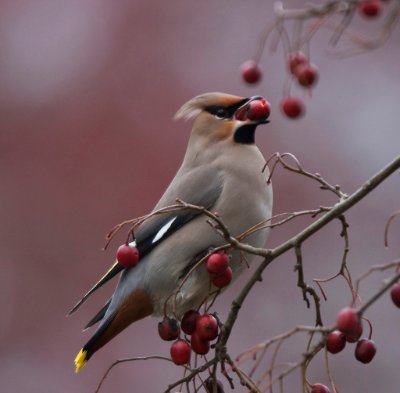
(258, 110)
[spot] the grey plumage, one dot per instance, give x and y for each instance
(217, 172)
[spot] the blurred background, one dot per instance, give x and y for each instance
(88, 92)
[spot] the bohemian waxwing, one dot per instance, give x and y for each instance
(222, 171)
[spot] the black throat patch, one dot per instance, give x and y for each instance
(245, 134)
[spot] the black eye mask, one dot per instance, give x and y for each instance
(225, 112)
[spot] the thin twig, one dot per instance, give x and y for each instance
(120, 361)
(389, 221)
(190, 376)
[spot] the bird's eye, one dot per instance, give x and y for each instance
(221, 113)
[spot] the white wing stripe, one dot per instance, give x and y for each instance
(163, 230)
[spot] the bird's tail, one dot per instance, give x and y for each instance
(136, 306)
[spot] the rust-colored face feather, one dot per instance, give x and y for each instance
(197, 104)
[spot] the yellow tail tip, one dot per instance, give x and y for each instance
(80, 360)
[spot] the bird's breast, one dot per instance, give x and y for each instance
(245, 201)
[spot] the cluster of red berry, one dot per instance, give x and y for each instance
(201, 328)
(300, 68)
(349, 329)
(217, 265)
(306, 75)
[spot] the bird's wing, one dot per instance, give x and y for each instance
(201, 186)
(112, 272)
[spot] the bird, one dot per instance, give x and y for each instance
(223, 171)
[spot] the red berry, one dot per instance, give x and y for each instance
(295, 59)
(251, 72)
(217, 262)
(127, 256)
(395, 294)
(307, 75)
(258, 110)
(168, 329)
(180, 352)
(222, 279)
(198, 345)
(207, 327)
(292, 107)
(355, 335)
(212, 384)
(347, 320)
(241, 113)
(188, 323)
(335, 341)
(319, 388)
(365, 350)
(370, 8)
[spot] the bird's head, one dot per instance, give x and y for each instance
(220, 116)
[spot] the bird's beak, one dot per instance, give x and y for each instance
(242, 113)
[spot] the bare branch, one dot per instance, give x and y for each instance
(270, 255)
